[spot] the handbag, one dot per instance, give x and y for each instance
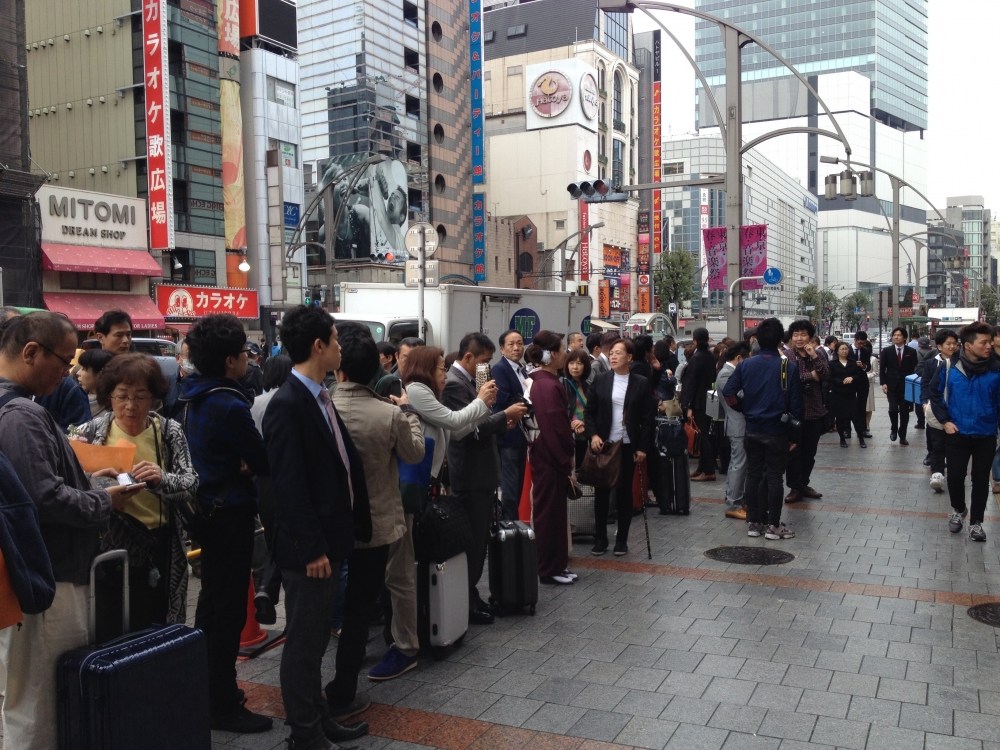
(415, 481)
(793, 425)
(670, 439)
(933, 421)
(441, 530)
(529, 422)
(574, 491)
(671, 407)
(602, 469)
(130, 534)
(693, 439)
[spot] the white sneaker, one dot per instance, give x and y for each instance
(937, 481)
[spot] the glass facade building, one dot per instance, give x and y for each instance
(885, 40)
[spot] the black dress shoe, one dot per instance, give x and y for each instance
(599, 548)
(336, 732)
(862, 443)
(867, 434)
(903, 440)
(480, 617)
(927, 461)
(892, 435)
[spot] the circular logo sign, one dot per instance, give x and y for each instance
(526, 322)
(587, 160)
(644, 279)
(588, 96)
(550, 94)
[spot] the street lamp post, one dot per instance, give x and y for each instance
(849, 190)
(561, 249)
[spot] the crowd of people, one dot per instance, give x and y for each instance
(310, 444)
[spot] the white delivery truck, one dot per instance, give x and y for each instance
(453, 310)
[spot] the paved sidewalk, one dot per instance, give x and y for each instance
(862, 641)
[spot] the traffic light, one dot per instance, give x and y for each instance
(597, 191)
(307, 296)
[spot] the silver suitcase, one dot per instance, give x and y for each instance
(713, 406)
(443, 603)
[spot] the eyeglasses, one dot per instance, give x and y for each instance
(62, 359)
(137, 400)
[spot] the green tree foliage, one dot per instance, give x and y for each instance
(857, 301)
(819, 306)
(990, 304)
(672, 277)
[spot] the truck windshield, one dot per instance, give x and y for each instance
(377, 329)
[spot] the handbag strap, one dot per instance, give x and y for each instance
(784, 384)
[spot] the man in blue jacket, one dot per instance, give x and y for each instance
(965, 399)
(767, 389)
(227, 451)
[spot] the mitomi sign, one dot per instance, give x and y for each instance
(199, 301)
(83, 217)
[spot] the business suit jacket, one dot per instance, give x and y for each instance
(891, 373)
(509, 392)
(638, 409)
(312, 511)
(736, 423)
(473, 460)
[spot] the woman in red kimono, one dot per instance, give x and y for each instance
(551, 457)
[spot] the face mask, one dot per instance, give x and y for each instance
(185, 366)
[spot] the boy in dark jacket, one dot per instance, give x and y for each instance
(227, 451)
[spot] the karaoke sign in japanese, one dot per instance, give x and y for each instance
(157, 108)
(199, 301)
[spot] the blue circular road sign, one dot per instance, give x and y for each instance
(772, 275)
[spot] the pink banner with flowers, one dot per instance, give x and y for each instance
(753, 253)
(715, 257)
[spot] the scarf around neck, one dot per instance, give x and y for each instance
(977, 367)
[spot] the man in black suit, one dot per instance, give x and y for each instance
(510, 376)
(323, 508)
(896, 362)
(473, 460)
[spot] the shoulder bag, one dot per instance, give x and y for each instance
(602, 469)
(933, 421)
(693, 438)
(793, 425)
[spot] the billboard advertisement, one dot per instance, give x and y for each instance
(476, 91)
(198, 301)
(156, 83)
(231, 116)
(561, 92)
(753, 255)
(371, 211)
(616, 273)
(478, 237)
(584, 249)
(657, 149)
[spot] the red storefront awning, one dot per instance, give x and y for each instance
(86, 259)
(84, 309)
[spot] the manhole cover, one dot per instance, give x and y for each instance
(749, 555)
(988, 614)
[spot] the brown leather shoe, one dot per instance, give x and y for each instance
(695, 473)
(811, 493)
(740, 514)
(793, 496)
(703, 478)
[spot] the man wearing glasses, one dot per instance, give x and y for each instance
(227, 452)
(35, 354)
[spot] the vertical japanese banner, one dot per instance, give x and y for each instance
(753, 253)
(643, 265)
(476, 84)
(657, 202)
(584, 250)
(156, 81)
(715, 257)
(603, 299)
(478, 237)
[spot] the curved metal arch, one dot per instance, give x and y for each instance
(786, 131)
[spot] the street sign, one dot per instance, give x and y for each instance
(916, 297)
(413, 273)
(413, 237)
(643, 279)
(672, 308)
(772, 276)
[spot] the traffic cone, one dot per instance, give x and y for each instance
(254, 640)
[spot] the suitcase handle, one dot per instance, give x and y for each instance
(115, 554)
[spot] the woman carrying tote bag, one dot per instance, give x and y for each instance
(619, 409)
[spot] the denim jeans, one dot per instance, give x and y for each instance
(767, 457)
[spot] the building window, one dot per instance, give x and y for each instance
(280, 92)
(617, 162)
(560, 223)
(410, 13)
(617, 105)
(616, 34)
(412, 107)
(104, 282)
(518, 30)
(601, 76)
(488, 36)
(673, 167)
(411, 59)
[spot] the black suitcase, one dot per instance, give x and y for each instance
(513, 567)
(147, 689)
(676, 481)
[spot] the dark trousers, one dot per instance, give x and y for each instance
(935, 450)
(365, 579)
(958, 450)
(767, 456)
(479, 507)
(802, 460)
(899, 411)
(861, 405)
(226, 549)
(308, 608)
(512, 463)
(844, 407)
(706, 462)
(721, 444)
(623, 500)
(549, 517)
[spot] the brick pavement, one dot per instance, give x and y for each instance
(861, 642)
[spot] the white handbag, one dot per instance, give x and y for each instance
(932, 421)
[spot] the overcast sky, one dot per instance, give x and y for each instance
(963, 135)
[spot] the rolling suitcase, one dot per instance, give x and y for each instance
(442, 604)
(513, 567)
(147, 689)
(677, 485)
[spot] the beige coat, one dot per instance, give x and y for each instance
(381, 432)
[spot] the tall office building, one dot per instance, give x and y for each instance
(390, 78)
(868, 62)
